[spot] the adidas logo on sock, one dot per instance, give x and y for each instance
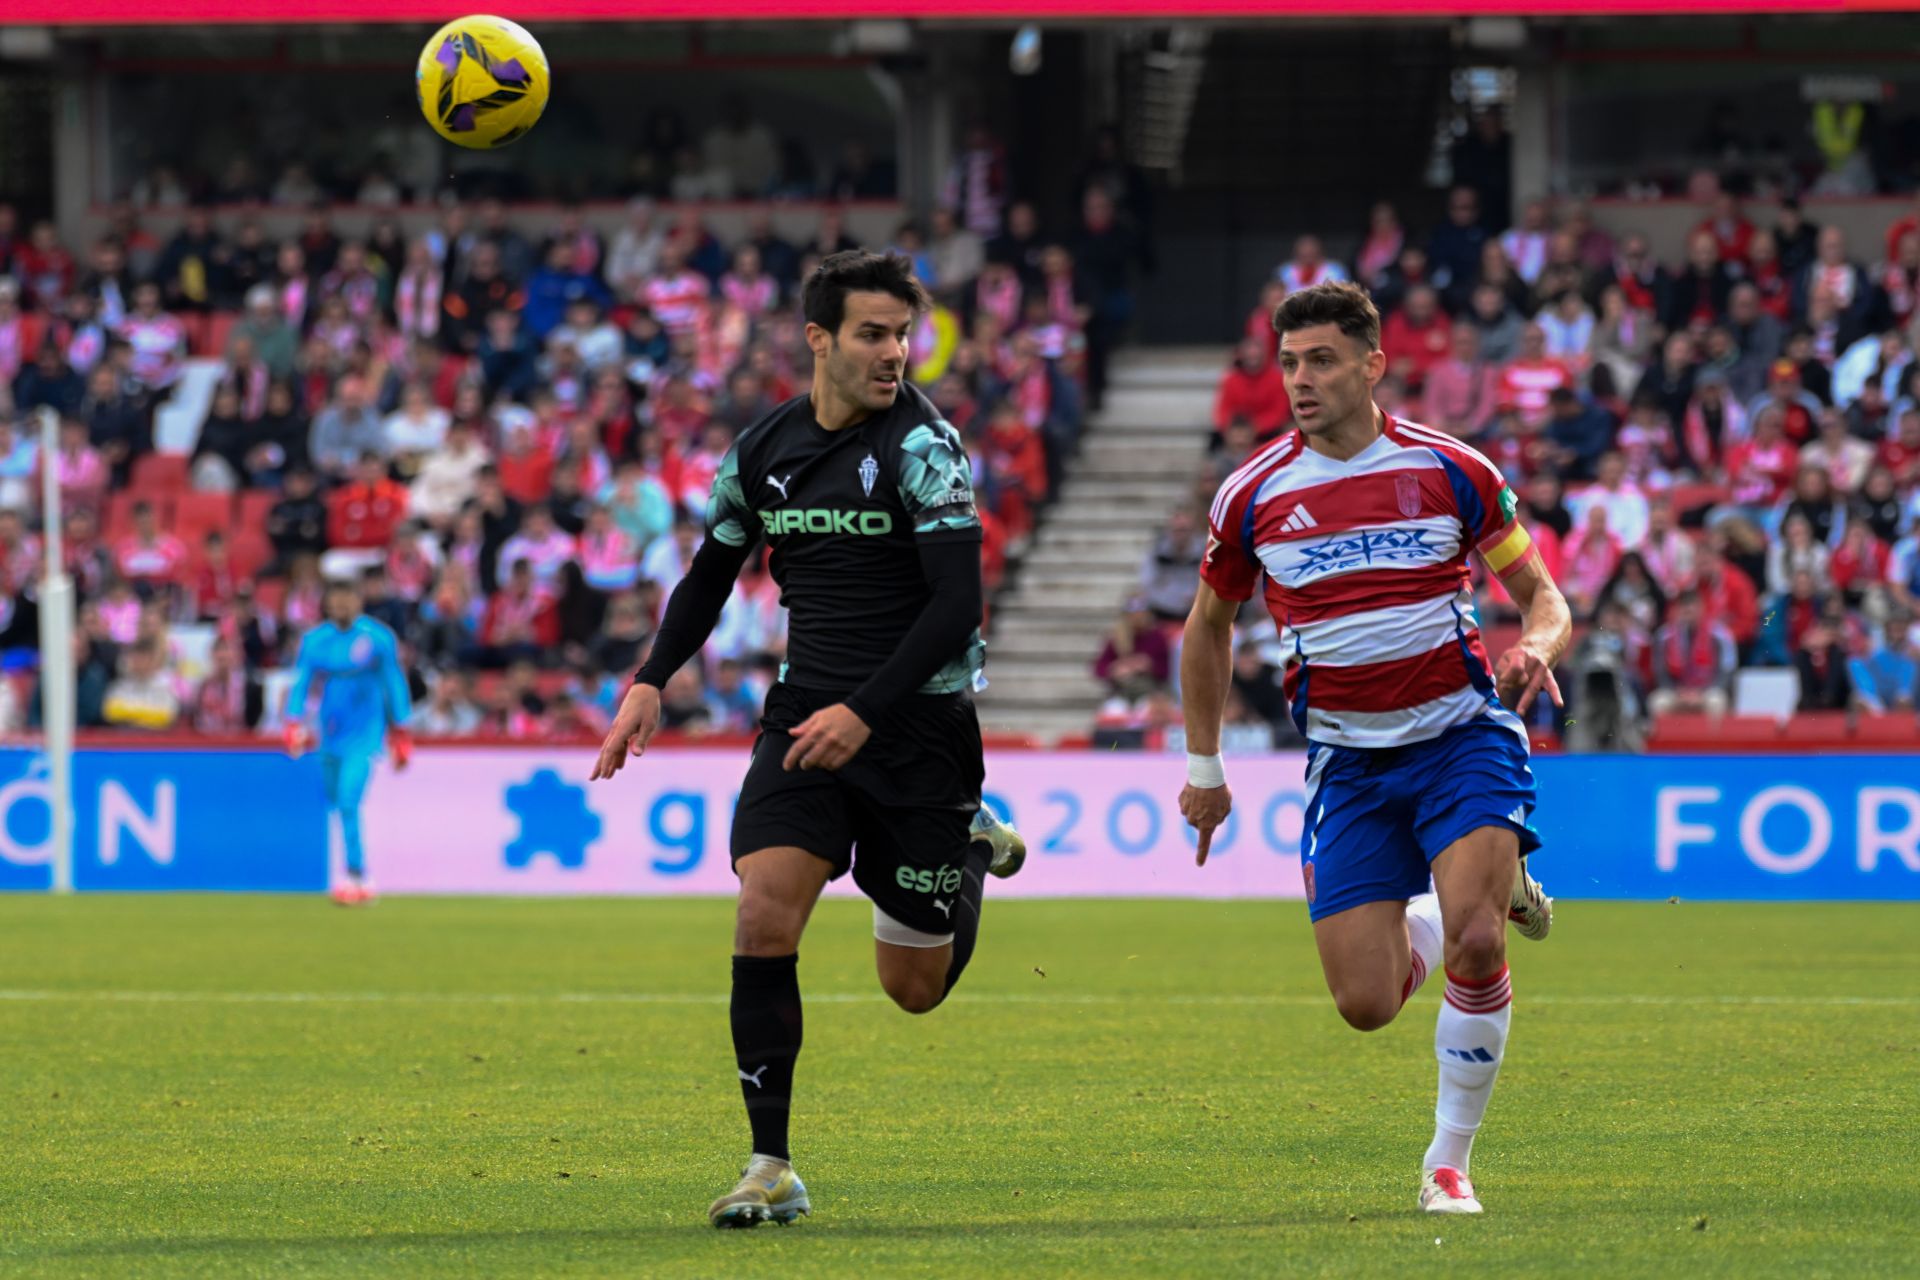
(1298, 520)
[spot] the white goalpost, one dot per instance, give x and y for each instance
(56, 662)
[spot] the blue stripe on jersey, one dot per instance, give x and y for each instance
(1299, 707)
(1476, 670)
(1472, 511)
(1246, 533)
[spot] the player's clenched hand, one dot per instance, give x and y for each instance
(1205, 808)
(632, 730)
(826, 739)
(1520, 674)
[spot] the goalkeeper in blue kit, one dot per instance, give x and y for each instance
(364, 707)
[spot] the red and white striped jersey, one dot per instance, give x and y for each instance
(1366, 574)
(678, 302)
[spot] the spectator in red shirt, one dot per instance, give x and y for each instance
(1016, 463)
(1765, 274)
(1761, 470)
(1799, 408)
(1901, 455)
(1530, 379)
(1859, 565)
(363, 513)
(526, 464)
(1415, 338)
(1260, 320)
(1896, 284)
(1729, 229)
(213, 577)
(1640, 276)
(1903, 226)
(45, 268)
(150, 556)
(1693, 659)
(1252, 388)
(1728, 596)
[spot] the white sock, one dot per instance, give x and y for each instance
(1469, 1039)
(1425, 938)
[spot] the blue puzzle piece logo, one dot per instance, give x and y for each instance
(554, 819)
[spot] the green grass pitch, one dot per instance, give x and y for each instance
(202, 1086)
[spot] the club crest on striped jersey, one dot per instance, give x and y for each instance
(1406, 494)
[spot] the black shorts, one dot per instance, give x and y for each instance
(898, 814)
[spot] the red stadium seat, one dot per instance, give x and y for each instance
(160, 473)
(1812, 729)
(255, 506)
(196, 514)
(1698, 733)
(1898, 731)
(119, 519)
(196, 327)
(219, 329)
(250, 550)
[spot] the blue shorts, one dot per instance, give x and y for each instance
(1376, 818)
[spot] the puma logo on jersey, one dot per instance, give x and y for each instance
(1299, 520)
(781, 485)
(754, 1079)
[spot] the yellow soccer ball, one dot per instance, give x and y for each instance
(482, 81)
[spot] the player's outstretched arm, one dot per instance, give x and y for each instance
(692, 610)
(1527, 668)
(1206, 674)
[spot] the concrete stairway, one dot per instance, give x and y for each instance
(1138, 459)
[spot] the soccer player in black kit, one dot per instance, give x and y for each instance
(869, 755)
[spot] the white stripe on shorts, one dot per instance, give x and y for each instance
(887, 929)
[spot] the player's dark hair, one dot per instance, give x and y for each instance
(823, 299)
(1342, 304)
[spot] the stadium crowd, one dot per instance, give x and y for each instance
(1718, 458)
(504, 430)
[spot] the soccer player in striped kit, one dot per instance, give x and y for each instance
(1417, 768)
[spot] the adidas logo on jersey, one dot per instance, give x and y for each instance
(1298, 521)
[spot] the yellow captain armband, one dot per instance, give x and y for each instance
(1507, 549)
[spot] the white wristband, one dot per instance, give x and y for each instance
(1206, 772)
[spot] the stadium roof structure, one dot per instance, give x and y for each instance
(82, 13)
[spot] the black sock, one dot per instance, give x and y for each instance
(966, 910)
(766, 1040)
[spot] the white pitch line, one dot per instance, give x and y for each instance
(672, 998)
